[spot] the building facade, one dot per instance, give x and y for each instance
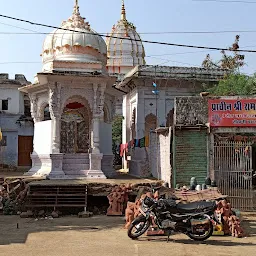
(217, 139)
(15, 122)
(145, 110)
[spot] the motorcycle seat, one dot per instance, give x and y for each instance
(196, 206)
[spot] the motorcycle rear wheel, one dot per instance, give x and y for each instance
(203, 237)
(140, 229)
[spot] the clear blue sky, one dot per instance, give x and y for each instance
(147, 15)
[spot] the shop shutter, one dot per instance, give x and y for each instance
(190, 156)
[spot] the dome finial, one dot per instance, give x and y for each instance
(76, 8)
(123, 12)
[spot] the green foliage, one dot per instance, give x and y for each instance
(235, 84)
(117, 138)
(117, 129)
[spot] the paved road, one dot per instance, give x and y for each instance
(105, 236)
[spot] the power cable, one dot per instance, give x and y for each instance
(141, 33)
(181, 53)
(175, 61)
(34, 32)
(125, 38)
(9, 25)
(20, 62)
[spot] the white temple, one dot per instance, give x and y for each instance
(73, 99)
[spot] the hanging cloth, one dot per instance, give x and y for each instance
(132, 143)
(147, 141)
(142, 143)
(123, 147)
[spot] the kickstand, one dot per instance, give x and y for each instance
(168, 235)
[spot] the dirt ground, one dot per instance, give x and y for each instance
(105, 236)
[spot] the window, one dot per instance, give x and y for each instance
(47, 115)
(4, 104)
(27, 108)
(3, 142)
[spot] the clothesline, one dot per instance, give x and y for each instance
(134, 143)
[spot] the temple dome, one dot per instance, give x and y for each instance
(70, 46)
(124, 54)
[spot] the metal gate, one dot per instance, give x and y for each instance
(233, 172)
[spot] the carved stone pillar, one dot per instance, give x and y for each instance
(98, 114)
(34, 107)
(54, 107)
(96, 135)
(95, 171)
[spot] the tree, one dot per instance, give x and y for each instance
(117, 138)
(235, 84)
(117, 129)
(231, 62)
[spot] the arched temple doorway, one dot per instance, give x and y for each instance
(75, 128)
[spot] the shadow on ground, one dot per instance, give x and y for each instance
(16, 230)
(212, 241)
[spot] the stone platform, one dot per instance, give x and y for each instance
(100, 187)
(72, 166)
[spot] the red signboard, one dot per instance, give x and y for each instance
(230, 113)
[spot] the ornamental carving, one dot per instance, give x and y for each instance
(67, 93)
(95, 91)
(102, 100)
(54, 99)
(34, 107)
(99, 99)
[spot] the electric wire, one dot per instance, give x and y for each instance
(125, 38)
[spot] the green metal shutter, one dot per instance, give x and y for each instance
(190, 156)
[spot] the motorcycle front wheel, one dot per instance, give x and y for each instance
(201, 237)
(138, 228)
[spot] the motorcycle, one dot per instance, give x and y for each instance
(196, 220)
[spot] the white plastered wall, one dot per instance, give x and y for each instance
(43, 138)
(106, 138)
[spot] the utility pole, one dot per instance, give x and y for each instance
(156, 93)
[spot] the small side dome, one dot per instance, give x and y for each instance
(124, 54)
(68, 46)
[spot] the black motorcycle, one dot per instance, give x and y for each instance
(196, 220)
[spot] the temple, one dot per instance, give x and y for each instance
(72, 104)
(85, 82)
